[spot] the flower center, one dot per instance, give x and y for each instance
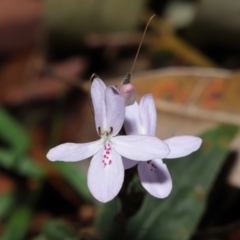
(106, 133)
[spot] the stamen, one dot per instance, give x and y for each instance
(111, 130)
(99, 131)
(105, 132)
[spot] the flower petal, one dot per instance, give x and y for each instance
(98, 99)
(148, 114)
(140, 147)
(155, 178)
(132, 123)
(115, 110)
(127, 163)
(105, 176)
(72, 152)
(181, 146)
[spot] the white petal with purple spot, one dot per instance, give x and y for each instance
(105, 174)
(155, 178)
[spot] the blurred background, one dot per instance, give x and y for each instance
(189, 61)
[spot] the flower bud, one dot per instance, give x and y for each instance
(128, 92)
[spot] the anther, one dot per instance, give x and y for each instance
(111, 130)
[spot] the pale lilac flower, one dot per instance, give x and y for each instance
(154, 175)
(106, 170)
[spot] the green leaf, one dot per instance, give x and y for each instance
(7, 158)
(58, 230)
(40, 237)
(104, 220)
(76, 177)
(7, 201)
(17, 226)
(15, 137)
(177, 216)
(24, 165)
(13, 133)
(28, 168)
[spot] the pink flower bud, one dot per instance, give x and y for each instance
(128, 92)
